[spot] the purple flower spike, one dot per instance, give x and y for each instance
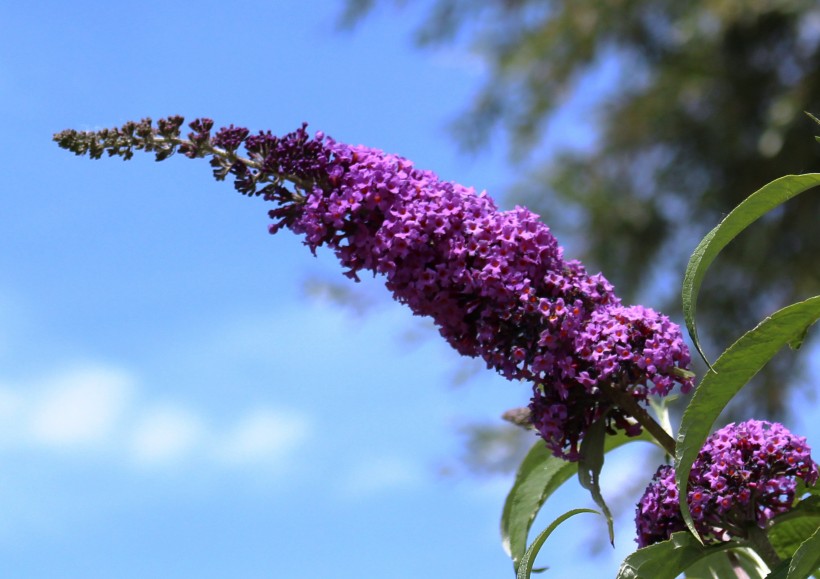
(495, 282)
(497, 286)
(745, 474)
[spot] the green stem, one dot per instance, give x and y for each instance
(759, 541)
(626, 402)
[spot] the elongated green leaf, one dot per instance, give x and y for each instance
(806, 559)
(727, 564)
(756, 205)
(731, 372)
(712, 567)
(793, 528)
(540, 475)
(668, 559)
(781, 571)
(589, 469)
(527, 561)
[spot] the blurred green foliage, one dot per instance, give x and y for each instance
(705, 106)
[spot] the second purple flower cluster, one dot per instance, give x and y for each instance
(745, 474)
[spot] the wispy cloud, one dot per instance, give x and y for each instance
(166, 434)
(263, 436)
(79, 408)
(99, 409)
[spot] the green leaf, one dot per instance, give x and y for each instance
(731, 372)
(755, 206)
(781, 571)
(711, 567)
(806, 559)
(589, 468)
(668, 559)
(791, 529)
(527, 561)
(797, 343)
(540, 475)
(726, 564)
(660, 406)
(804, 563)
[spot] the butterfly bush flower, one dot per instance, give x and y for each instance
(658, 512)
(744, 475)
(495, 282)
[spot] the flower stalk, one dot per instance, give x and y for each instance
(624, 400)
(759, 542)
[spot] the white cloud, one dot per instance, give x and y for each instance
(98, 409)
(263, 436)
(81, 407)
(166, 434)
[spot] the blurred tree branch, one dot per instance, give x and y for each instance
(708, 108)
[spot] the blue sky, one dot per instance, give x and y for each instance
(172, 402)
